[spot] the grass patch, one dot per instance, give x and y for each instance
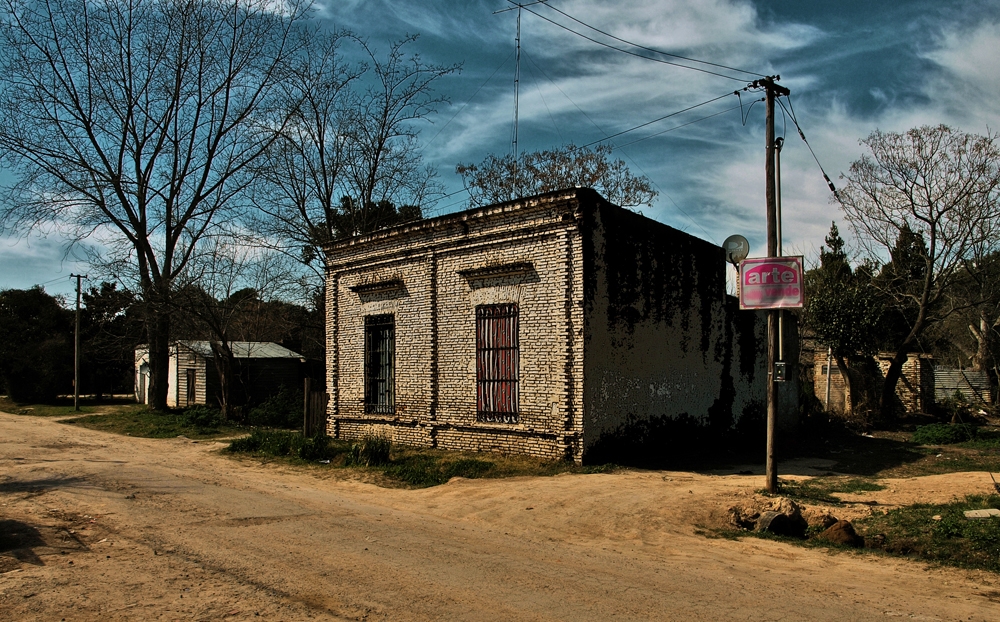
(822, 489)
(63, 407)
(152, 424)
(953, 539)
(289, 444)
(986, 439)
(943, 433)
(397, 465)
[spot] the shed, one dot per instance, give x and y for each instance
(559, 326)
(262, 368)
(974, 386)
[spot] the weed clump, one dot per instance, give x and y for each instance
(423, 470)
(372, 449)
(282, 443)
(281, 410)
(940, 533)
(943, 433)
(201, 416)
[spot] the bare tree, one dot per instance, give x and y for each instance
(384, 163)
(498, 179)
(134, 122)
(940, 187)
(226, 289)
(348, 162)
(301, 177)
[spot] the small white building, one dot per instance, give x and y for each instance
(262, 368)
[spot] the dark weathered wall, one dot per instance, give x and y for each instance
(667, 355)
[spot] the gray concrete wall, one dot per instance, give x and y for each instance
(668, 357)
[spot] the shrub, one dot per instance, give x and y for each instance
(283, 443)
(203, 416)
(371, 450)
(281, 410)
(317, 448)
(424, 470)
(943, 433)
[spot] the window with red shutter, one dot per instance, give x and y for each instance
(497, 362)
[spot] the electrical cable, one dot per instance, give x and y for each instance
(791, 113)
(601, 130)
(469, 101)
(677, 127)
(642, 47)
(746, 116)
(672, 114)
(544, 103)
(655, 60)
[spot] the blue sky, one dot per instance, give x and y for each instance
(852, 67)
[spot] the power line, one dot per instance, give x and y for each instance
(667, 116)
(642, 47)
(544, 103)
(630, 53)
(469, 101)
(677, 127)
(601, 130)
(791, 113)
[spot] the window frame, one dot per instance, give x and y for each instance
(380, 364)
(498, 362)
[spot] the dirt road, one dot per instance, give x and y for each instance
(118, 528)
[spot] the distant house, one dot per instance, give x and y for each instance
(558, 325)
(262, 368)
(921, 382)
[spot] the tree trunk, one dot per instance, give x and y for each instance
(982, 333)
(158, 332)
(888, 398)
(845, 373)
(224, 365)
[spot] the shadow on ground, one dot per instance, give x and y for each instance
(11, 485)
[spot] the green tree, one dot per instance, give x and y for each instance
(111, 326)
(504, 178)
(932, 194)
(844, 312)
(36, 345)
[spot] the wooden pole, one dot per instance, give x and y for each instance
(771, 468)
(307, 386)
(76, 345)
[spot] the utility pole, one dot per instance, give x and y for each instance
(517, 84)
(76, 345)
(771, 90)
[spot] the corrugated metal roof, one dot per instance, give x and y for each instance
(244, 349)
(973, 385)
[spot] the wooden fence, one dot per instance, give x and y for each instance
(314, 410)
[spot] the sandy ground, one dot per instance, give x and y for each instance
(95, 526)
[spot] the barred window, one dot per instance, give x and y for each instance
(497, 358)
(380, 354)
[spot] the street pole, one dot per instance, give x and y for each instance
(76, 345)
(771, 90)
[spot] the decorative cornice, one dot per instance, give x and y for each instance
(377, 287)
(492, 272)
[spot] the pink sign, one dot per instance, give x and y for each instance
(771, 283)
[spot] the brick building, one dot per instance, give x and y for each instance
(915, 388)
(558, 325)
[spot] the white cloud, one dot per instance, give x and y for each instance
(967, 85)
